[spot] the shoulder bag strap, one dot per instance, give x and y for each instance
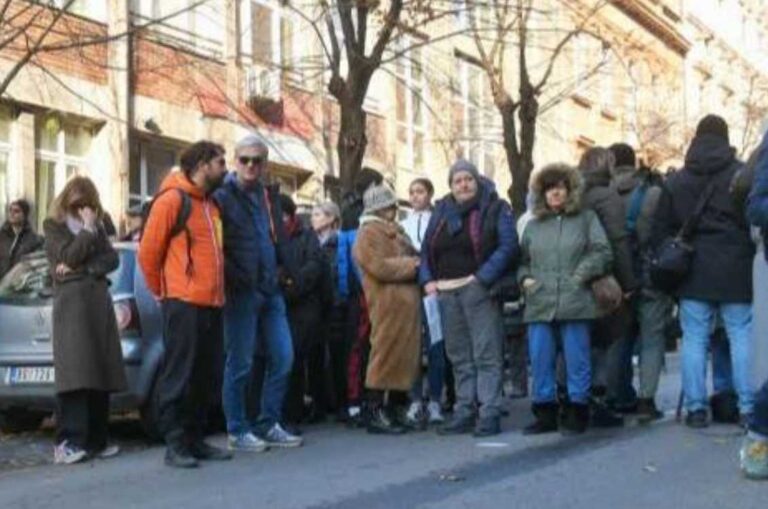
(690, 226)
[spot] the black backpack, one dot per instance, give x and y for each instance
(180, 225)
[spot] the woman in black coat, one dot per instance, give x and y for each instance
(86, 345)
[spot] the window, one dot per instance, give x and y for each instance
(152, 162)
(410, 90)
(188, 24)
(93, 9)
(260, 31)
(5, 155)
(62, 148)
(480, 128)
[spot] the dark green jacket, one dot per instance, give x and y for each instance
(563, 253)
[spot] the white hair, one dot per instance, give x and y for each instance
(251, 141)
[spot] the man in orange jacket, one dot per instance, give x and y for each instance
(185, 271)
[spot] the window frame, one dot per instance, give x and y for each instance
(484, 108)
(404, 77)
(6, 148)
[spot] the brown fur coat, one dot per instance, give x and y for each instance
(385, 257)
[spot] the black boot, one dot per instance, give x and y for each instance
(604, 417)
(647, 411)
(576, 419)
(177, 453)
(204, 451)
(381, 423)
(546, 419)
(458, 425)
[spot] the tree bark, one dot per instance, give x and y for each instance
(352, 141)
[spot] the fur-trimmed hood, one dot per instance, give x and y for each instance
(557, 172)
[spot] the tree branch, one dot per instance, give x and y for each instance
(32, 50)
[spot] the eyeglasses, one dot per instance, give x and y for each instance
(14, 210)
(255, 160)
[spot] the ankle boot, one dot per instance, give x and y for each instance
(381, 423)
(546, 419)
(576, 419)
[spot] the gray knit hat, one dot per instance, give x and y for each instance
(378, 198)
(462, 165)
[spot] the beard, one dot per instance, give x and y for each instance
(213, 183)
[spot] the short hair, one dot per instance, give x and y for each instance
(201, 152)
(330, 209)
(287, 205)
(23, 204)
(597, 160)
(251, 141)
(425, 183)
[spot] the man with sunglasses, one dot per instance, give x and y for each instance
(16, 236)
(255, 317)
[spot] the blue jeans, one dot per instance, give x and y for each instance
(255, 321)
(697, 320)
(722, 371)
(542, 346)
(435, 373)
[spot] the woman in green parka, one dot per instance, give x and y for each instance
(564, 249)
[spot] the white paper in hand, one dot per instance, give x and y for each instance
(432, 310)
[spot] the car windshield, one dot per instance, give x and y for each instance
(29, 278)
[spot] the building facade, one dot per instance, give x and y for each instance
(120, 87)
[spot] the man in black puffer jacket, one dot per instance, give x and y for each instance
(720, 277)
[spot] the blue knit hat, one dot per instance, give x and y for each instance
(462, 165)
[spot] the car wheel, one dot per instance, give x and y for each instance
(149, 413)
(17, 420)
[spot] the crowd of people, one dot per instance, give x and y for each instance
(394, 321)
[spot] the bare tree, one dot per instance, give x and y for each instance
(755, 113)
(503, 31)
(30, 29)
(353, 54)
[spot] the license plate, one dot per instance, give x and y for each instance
(30, 376)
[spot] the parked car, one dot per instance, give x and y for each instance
(27, 393)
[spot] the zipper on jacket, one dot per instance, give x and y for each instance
(212, 228)
(559, 264)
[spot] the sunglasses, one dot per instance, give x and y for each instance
(255, 160)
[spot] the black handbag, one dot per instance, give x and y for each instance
(672, 261)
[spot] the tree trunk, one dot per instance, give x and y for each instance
(352, 142)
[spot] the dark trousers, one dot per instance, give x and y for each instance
(328, 363)
(759, 421)
(190, 374)
(82, 418)
(359, 330)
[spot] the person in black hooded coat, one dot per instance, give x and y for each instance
(720, 277)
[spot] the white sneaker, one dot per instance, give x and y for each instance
(247, 442)
(414, 412)
(435, 415)
(65, 454)
(278, 437)
(110, 451)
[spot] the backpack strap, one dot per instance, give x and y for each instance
(635, 206)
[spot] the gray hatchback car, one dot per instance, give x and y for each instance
(27, 393)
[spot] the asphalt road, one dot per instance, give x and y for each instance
(664, 465)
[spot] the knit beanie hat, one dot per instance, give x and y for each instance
(377, 198)
(462, 165)
(714, 125)
(624, 154)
